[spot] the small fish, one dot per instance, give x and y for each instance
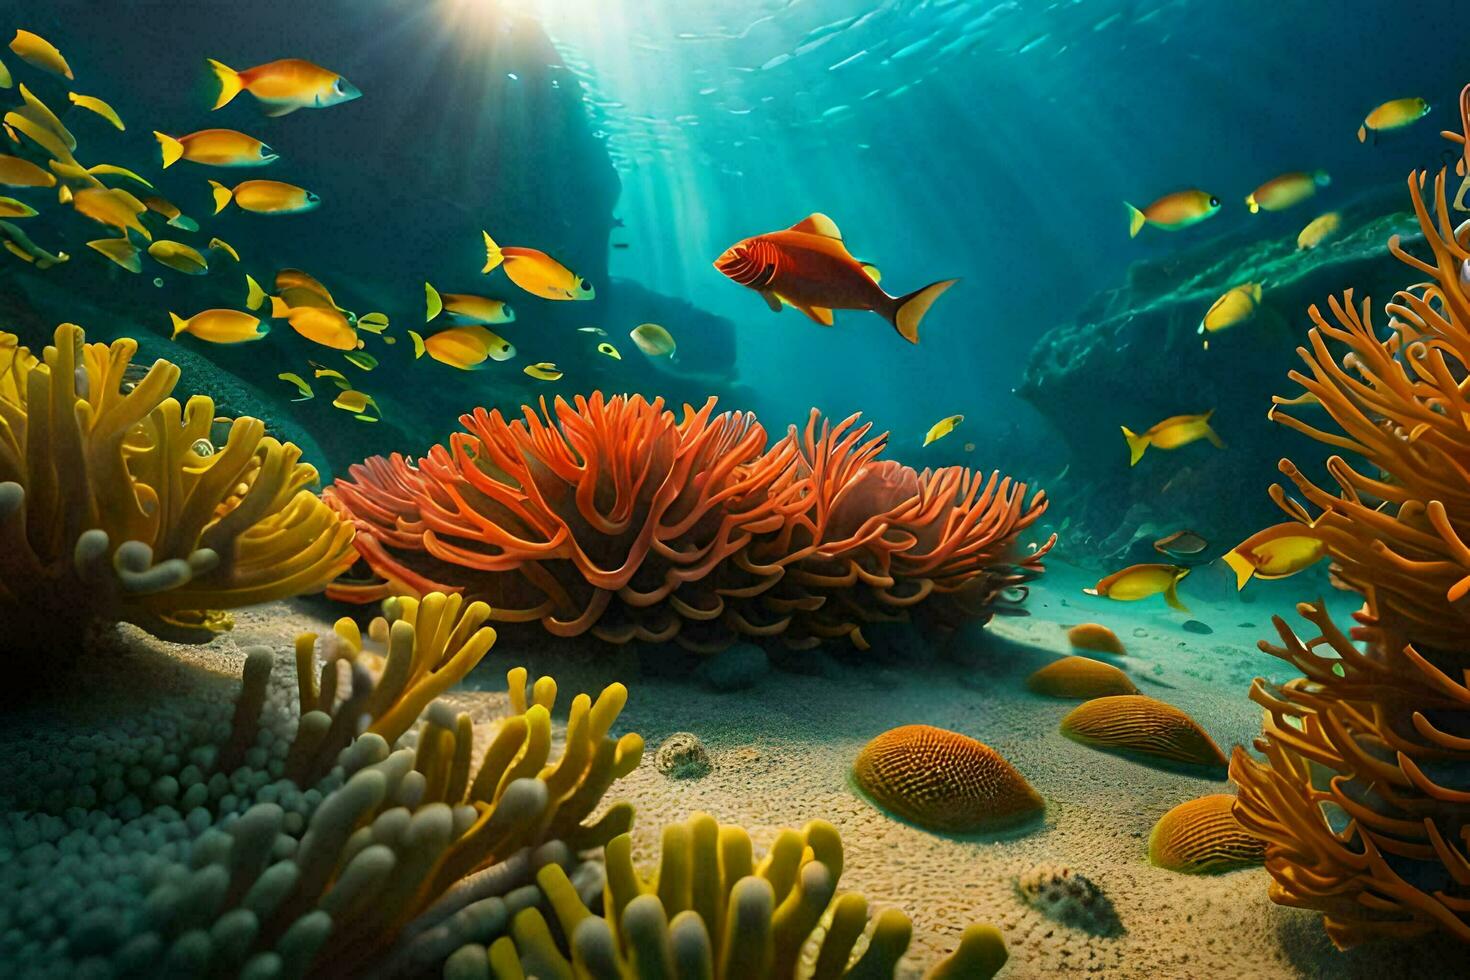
(466, 348)
(254, 295)
(373, 323)
(40, 53)
(121, 251)
(215, 148)
(93, 104)
(1235, 306)
(40, 113)
(1141, 581)
(220, 245)
(331, 374)
(465, 309)
(301, 386)
(1173, 432)
(543, 371)
(11, 208)
(942, 428)
(1395, 114)
(284, 86)
(1173, 211)
(809, 267)
(19, 244)
(116, 171)
(598, 331)
(1282, 192)
(609, 350)
(16, 172)
(221, 326)
(361, 359)
(171, 213)
(352, 400)
(326, 327)
(264, 197)
(179, 257)
(1319, 230)
(536, 272)
(1181, 544)
(1275, 552)
(969, 447)
(112, 206)
(41, 135)
(302, 286)
(653, 340)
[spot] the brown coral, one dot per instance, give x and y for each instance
(1203, 836)
(1138, 724)
(1080, 677)
(612, 516)
(942, 780)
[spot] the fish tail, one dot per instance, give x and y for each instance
(1250, 202)
(1362, 134)
(1136, 220)
(1242, 568)
(254, 296)
(173, 150)
(222, 195)
(279, 309)
(1136, 445)
(418, 344)
(1214, 437)
(433, 305)
(908, 310)
(180, 324)
(493, 255)
(229, 82)
(1171, 594)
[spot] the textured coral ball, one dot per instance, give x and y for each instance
(682, 756)
(1095, 638)
(1137, 724)
(1203, 837)
(945, 781)
(1080, 677)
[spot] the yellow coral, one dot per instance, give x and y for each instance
(1203, 836)
(1137, 724)
(1080, 677)
(113, 506)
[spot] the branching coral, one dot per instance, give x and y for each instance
(1364, 794)
(612, 516)
(115, 506)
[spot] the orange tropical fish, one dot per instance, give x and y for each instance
(284, 86)
(1275, 552)
(1173, 432)
(1141, 581)
(326, 327)
(808, 266)
(1173, 211)
(264, 197)
(1284, 191)
(215, 148)
(536, 272)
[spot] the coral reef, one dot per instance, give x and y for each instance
(1362, 796)
(943, 780)
(682, 756)
(612, 516)
(115, 505)
(1080, 677)
(1203, 836)
(1068, 897)
(1136, 724)
(711, 910)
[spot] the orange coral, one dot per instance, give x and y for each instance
(1095, 638)
(1203, 836)
(1364, 794)
(612, 516)
(1080, 677)
(943, 780)
(1136, 723)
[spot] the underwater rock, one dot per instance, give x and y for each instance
(682, 756)
(1138, 724)
(1068, 897)
(1203, 836)
(737, 668)
(945, 781)
(1080, 677)
(1195, 626)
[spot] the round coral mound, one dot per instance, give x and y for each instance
(1139, 724)
(1095, 638)
(943, 780)
(1203, 836)
(1080, 677)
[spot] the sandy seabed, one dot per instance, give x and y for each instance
(781, 754)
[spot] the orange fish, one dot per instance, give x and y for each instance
(808, 266)
(284, 86)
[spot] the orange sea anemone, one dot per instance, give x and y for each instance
(611, 515)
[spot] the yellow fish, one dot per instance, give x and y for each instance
(536, 272)
(120, 251)
(336, 377)
(112, 206)
(1173, 211)
(16, 172)
(1141, 581)
(1173, 432)
(326, 327)
(1282, 192)
(1275, 552)
(361, 359)
(40, 113)
(170, 213)
(11, 208)
(942, 428)
(1320, 229)
(653, 340)
(93, 104)
(543, 371)
(179, 257)
(302, 287)
(37, 51)
(463, 308)
(41, 136)
(609, 350)
(114, 170)
(220, 245)
(1395, 114)
(466, 348)
(19, 244)
(221, 326)
(215, 148)
(264, 197)
(254, 295)
(593, 330)
(353, 400)
(284, 86)
(301, 386)
(1234, 307)
(374, 323)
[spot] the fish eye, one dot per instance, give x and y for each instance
(337, 86)
(1214, 202)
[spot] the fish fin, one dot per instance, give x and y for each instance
(1242, 568)
(1362, 134)
(418, 344)
(818, 223)
(281, 109)
(172, 149)
(279, 308)
(1214, 437)
(1136, 445)
(907, 311)
(1171, 594)
(1250, 203)
(1136, 220)
(818, 314)
(180, 324)
(872, 270)
(493, 255)
(222, 195)
(229, 82)
(772, 300)
(184, 223)
(433, 304)
(254, 295)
